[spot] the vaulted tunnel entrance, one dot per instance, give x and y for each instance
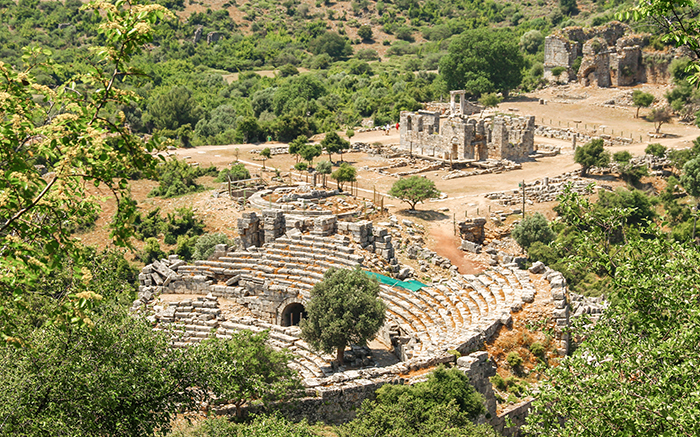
(293, 314)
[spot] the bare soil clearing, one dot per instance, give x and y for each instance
(565, 104)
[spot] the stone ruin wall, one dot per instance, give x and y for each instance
(462, 138)
(610, 56)
(334, 396)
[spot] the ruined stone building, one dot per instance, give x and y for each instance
(609, 55)
(458, 137)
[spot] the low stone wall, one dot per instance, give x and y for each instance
(545, 190)
(579, 139)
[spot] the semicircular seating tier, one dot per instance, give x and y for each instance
(455, 314)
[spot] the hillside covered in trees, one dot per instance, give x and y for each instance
(336, 64)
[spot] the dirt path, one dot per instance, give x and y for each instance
(446, 244)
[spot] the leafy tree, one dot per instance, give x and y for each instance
(345, 173)
(266, 154)
(250, 128)
(344, 309)
(260, 426)
(310, 151)
(442, 405)
(659, 117)
(174, 109)
(288, 70)
(325, 168)
(365, 32)
(656, 149)
(482, 61)
(568, 7)
(301, 166)
(690, 179)
(288, 127)
(65, 130)
(182, 222)
(533, 228)
(331, 44)
(531, 41)
(414, 189)
(641, 100)
(634, 372)
(490, 100)
(333, 143)
(118, 377)
(591, 154)
(244, 369)
(639, 206)
(296, 145)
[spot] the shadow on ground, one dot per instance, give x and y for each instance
(424, 215)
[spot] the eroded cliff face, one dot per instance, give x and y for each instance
(610, 55)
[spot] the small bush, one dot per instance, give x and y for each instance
(499, 382)
(206, 243)
(151, 251)
(182, 222)
(537, 349)
(557, 71)
(150, 226)
(533, 228)
(238, 172)
(185, 247)
(539, 251)
(178, 178)
(514, 360)
(656, 149)
(622, 157)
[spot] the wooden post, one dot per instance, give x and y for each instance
(523, 198)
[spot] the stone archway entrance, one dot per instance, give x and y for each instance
(293, 314)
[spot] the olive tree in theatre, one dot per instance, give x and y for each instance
(344, 309)
(414, 189)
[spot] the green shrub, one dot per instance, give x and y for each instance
(151, 251)
(499, 382)
(656, 149)
(178, 178)
(206, 243)
(557, 71)
(237, 172)
(622, 157)
(185, 247)
(150, 226)
(182, 222)
(531, 229)
(514, 360)
(633, 174)
(538, 251)
(537, 349)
